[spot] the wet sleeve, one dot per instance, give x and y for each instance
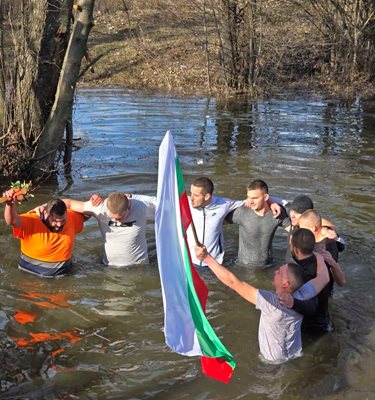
(305, 292)
(90, 210)
(149, 202)
(234, 216)
(305, 300)
(284, 219)
(233, 204)
(278, 200)
(87, 206)
(340, 242)
(306, 307)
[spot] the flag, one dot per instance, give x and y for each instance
(186, 328)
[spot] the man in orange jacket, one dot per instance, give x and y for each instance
(47, 241)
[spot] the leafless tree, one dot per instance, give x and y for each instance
(348, 30)
(39, 65)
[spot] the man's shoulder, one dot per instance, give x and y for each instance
(29, 221)
(266, 293)
(138, 207)
(138, 203)
(216, 200)
(75, 217)
(30, 216)
(267, 299)
(242, 210)
(73, 214)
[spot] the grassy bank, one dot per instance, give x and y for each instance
(157, 46)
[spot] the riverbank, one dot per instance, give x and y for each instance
(151, 50)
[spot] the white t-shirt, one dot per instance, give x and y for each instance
(279, 333)
(124, 245)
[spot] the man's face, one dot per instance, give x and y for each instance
(198, 198)
(118, 217)
(294, 217)
(55, 223)
(257, 199)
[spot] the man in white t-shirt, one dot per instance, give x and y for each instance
(122, 222)
(279, 332)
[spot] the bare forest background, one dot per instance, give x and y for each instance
(189, 47)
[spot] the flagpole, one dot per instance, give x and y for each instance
(197, 242)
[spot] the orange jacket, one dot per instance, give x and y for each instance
(39, 243)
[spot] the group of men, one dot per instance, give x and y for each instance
(302, 286)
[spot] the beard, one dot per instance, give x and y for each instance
(55, 229)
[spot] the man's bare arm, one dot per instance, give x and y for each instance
(337, 273)
(10, 213)
(245, 290)
(75, 205)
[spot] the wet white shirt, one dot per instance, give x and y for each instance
(124, 245)
(279, 333)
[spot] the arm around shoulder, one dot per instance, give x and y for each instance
(337, 273)
(322, 275)
(75, 205)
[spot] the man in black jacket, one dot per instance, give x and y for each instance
(316, 316)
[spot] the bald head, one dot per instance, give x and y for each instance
(310, 219)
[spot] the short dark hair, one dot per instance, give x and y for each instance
(304, 240)
(297, 272)
(258, 184)
(301, 203)
(205, 183)
(56, 206)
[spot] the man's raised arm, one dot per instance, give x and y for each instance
(10, 213)
(245, 290)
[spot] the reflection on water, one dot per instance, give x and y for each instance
(98, 334)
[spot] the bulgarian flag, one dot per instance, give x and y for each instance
(187, 330)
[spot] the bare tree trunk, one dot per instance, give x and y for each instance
(252, 44)
(53, 131)
(68, 148)
(222, 57)
(2, 72)
(52, 47)
(27, 114)
(206, 48)
(240, 43)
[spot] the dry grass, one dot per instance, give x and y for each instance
(160, 47)
(147, 52)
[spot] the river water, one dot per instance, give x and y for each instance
(98, 334)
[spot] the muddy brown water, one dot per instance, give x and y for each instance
(103, 327)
